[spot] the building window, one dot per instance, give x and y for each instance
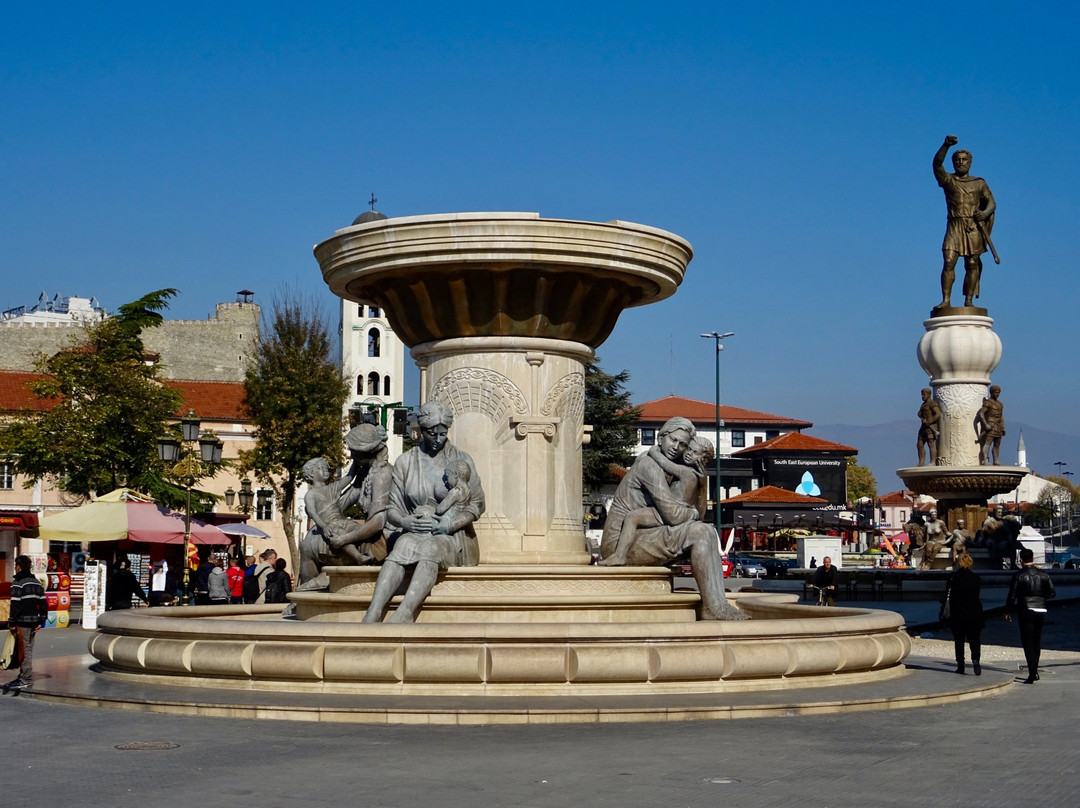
(360, 385)
(386, 386)
(373, 342)
(7, 477)
(771, 433)
(738, 438)
(264, 504)
(903, 516)
(373, 311)
(648, 437)
(373, 384)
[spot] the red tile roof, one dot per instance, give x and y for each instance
(704, 412)
(797, 442)
(213, 400)
(216, 400)
(15, 395)
(772, 494)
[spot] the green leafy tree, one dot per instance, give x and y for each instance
(294, 394)
(860, 481)
(613, 418)
(108, 409)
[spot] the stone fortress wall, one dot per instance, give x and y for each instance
(215, 349)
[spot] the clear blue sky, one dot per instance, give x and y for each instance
(208, 146)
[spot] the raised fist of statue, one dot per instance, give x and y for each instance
(951, 140)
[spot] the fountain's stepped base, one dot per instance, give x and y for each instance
(783, 645)
(492, 593)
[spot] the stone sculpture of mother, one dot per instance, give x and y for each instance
(421, 535)
(680, 530)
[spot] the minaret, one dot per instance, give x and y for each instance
(1021, 451)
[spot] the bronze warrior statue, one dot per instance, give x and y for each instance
(929, 428)
(971, 218)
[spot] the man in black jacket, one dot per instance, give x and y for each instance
(824, 581)
(1028, 593)
(28, 613)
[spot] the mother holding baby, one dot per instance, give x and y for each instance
(423, 532)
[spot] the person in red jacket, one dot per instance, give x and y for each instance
(236, 581)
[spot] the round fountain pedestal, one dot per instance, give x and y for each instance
(958, 353)
(502, 311)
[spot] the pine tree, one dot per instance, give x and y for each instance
(613, 417)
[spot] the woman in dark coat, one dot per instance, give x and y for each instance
(965, 612)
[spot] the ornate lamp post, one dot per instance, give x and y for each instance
(189, 468)
(717, 336)
(247, 496)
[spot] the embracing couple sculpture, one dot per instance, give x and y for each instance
(656, 515)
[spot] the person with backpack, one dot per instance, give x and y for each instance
(29, 612)
(255, 584)
(278, 584)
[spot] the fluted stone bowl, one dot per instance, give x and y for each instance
(502, 274)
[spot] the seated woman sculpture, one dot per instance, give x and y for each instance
(423, 534)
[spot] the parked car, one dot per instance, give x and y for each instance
(746, 567)
(776, 567)
(686, 569)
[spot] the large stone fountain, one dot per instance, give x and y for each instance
(502, 311)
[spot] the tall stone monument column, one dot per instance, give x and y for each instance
(958, 353)
(502, 311)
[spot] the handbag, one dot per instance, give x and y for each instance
(945, 612)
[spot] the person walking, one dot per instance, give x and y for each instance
(29, 613)
(965, 613)
(1028, 592)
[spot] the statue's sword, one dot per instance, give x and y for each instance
(989, 243)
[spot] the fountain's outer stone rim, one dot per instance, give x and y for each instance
(784, 645)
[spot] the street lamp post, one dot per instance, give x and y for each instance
(246, 496)
(189, 469)
(1059, 464)
(717, 337)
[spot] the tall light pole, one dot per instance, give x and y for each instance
(1059, 464)
(717, 336)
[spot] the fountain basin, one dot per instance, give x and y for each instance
(784, 645)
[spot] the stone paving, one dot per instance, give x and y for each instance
(998, 751)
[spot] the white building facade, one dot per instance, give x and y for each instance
(373, 361)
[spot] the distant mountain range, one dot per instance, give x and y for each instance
(884, 448)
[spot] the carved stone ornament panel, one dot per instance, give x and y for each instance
(959, 403)
(482, 391)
